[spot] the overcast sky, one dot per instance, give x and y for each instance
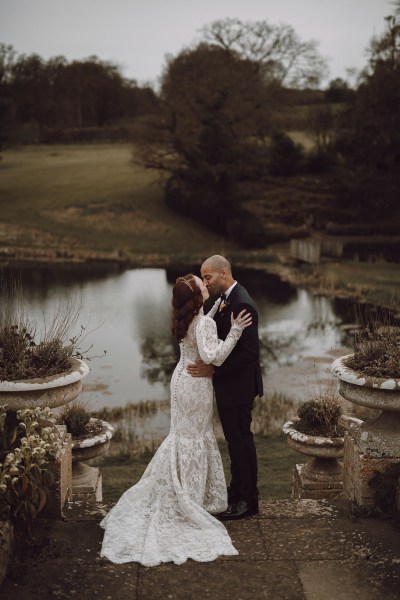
(137, 34)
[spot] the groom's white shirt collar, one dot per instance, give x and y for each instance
(228, 291)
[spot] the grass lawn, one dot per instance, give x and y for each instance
(275, 463)
(95, 196)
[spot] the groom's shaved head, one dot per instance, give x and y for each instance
(218, 262)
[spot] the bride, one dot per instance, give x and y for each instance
(168, 515)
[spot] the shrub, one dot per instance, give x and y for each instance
(199, 200)
(319, 160)
(367, 194)
(247, 230)
(26, 448)
(218, 208)
(285, 155)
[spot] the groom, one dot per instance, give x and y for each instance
(236, 382)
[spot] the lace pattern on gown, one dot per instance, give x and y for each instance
(167, 515)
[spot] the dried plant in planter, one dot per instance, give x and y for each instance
(320, 417)
(376, 346)
(79, 420)
(27, 354)
(75, 417)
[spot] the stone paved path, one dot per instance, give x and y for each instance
(294, 550)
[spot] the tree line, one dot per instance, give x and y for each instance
(57, 94)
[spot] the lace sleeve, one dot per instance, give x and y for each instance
(211, 349)
(213, 310)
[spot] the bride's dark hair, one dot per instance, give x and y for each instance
(186, 303)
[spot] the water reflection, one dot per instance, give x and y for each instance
(304, 327)
(152, 318)
(129, 312)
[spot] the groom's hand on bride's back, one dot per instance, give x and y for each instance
(200, 369)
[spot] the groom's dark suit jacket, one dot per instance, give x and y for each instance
(238, 380)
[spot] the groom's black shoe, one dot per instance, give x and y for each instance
(239, 510)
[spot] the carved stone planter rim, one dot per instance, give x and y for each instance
(289, 428)
(348, 375)
(95, 440)
(79, 369)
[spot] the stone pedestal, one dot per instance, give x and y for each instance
(87, 480)
(87, 483)
(360, 468)
(61, 469)
(375, 445)
(304, 487)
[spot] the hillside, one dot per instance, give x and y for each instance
(84, 201)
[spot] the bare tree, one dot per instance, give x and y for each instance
(276, 50)
(386, 48)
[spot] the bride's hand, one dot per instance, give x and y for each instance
(243, 320)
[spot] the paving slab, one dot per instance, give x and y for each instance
(247, 537)
(338, 580)
(222, 580)
(64, 562)
(320, 539)
(84, 510)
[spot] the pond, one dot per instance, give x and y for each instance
(126, 313)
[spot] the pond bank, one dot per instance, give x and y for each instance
(375, 282)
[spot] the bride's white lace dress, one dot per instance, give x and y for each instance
(166, 515)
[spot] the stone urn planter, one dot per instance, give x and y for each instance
(322, 475)
(86, 480)
(379, 436)
(374, 446)
(52, 391)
